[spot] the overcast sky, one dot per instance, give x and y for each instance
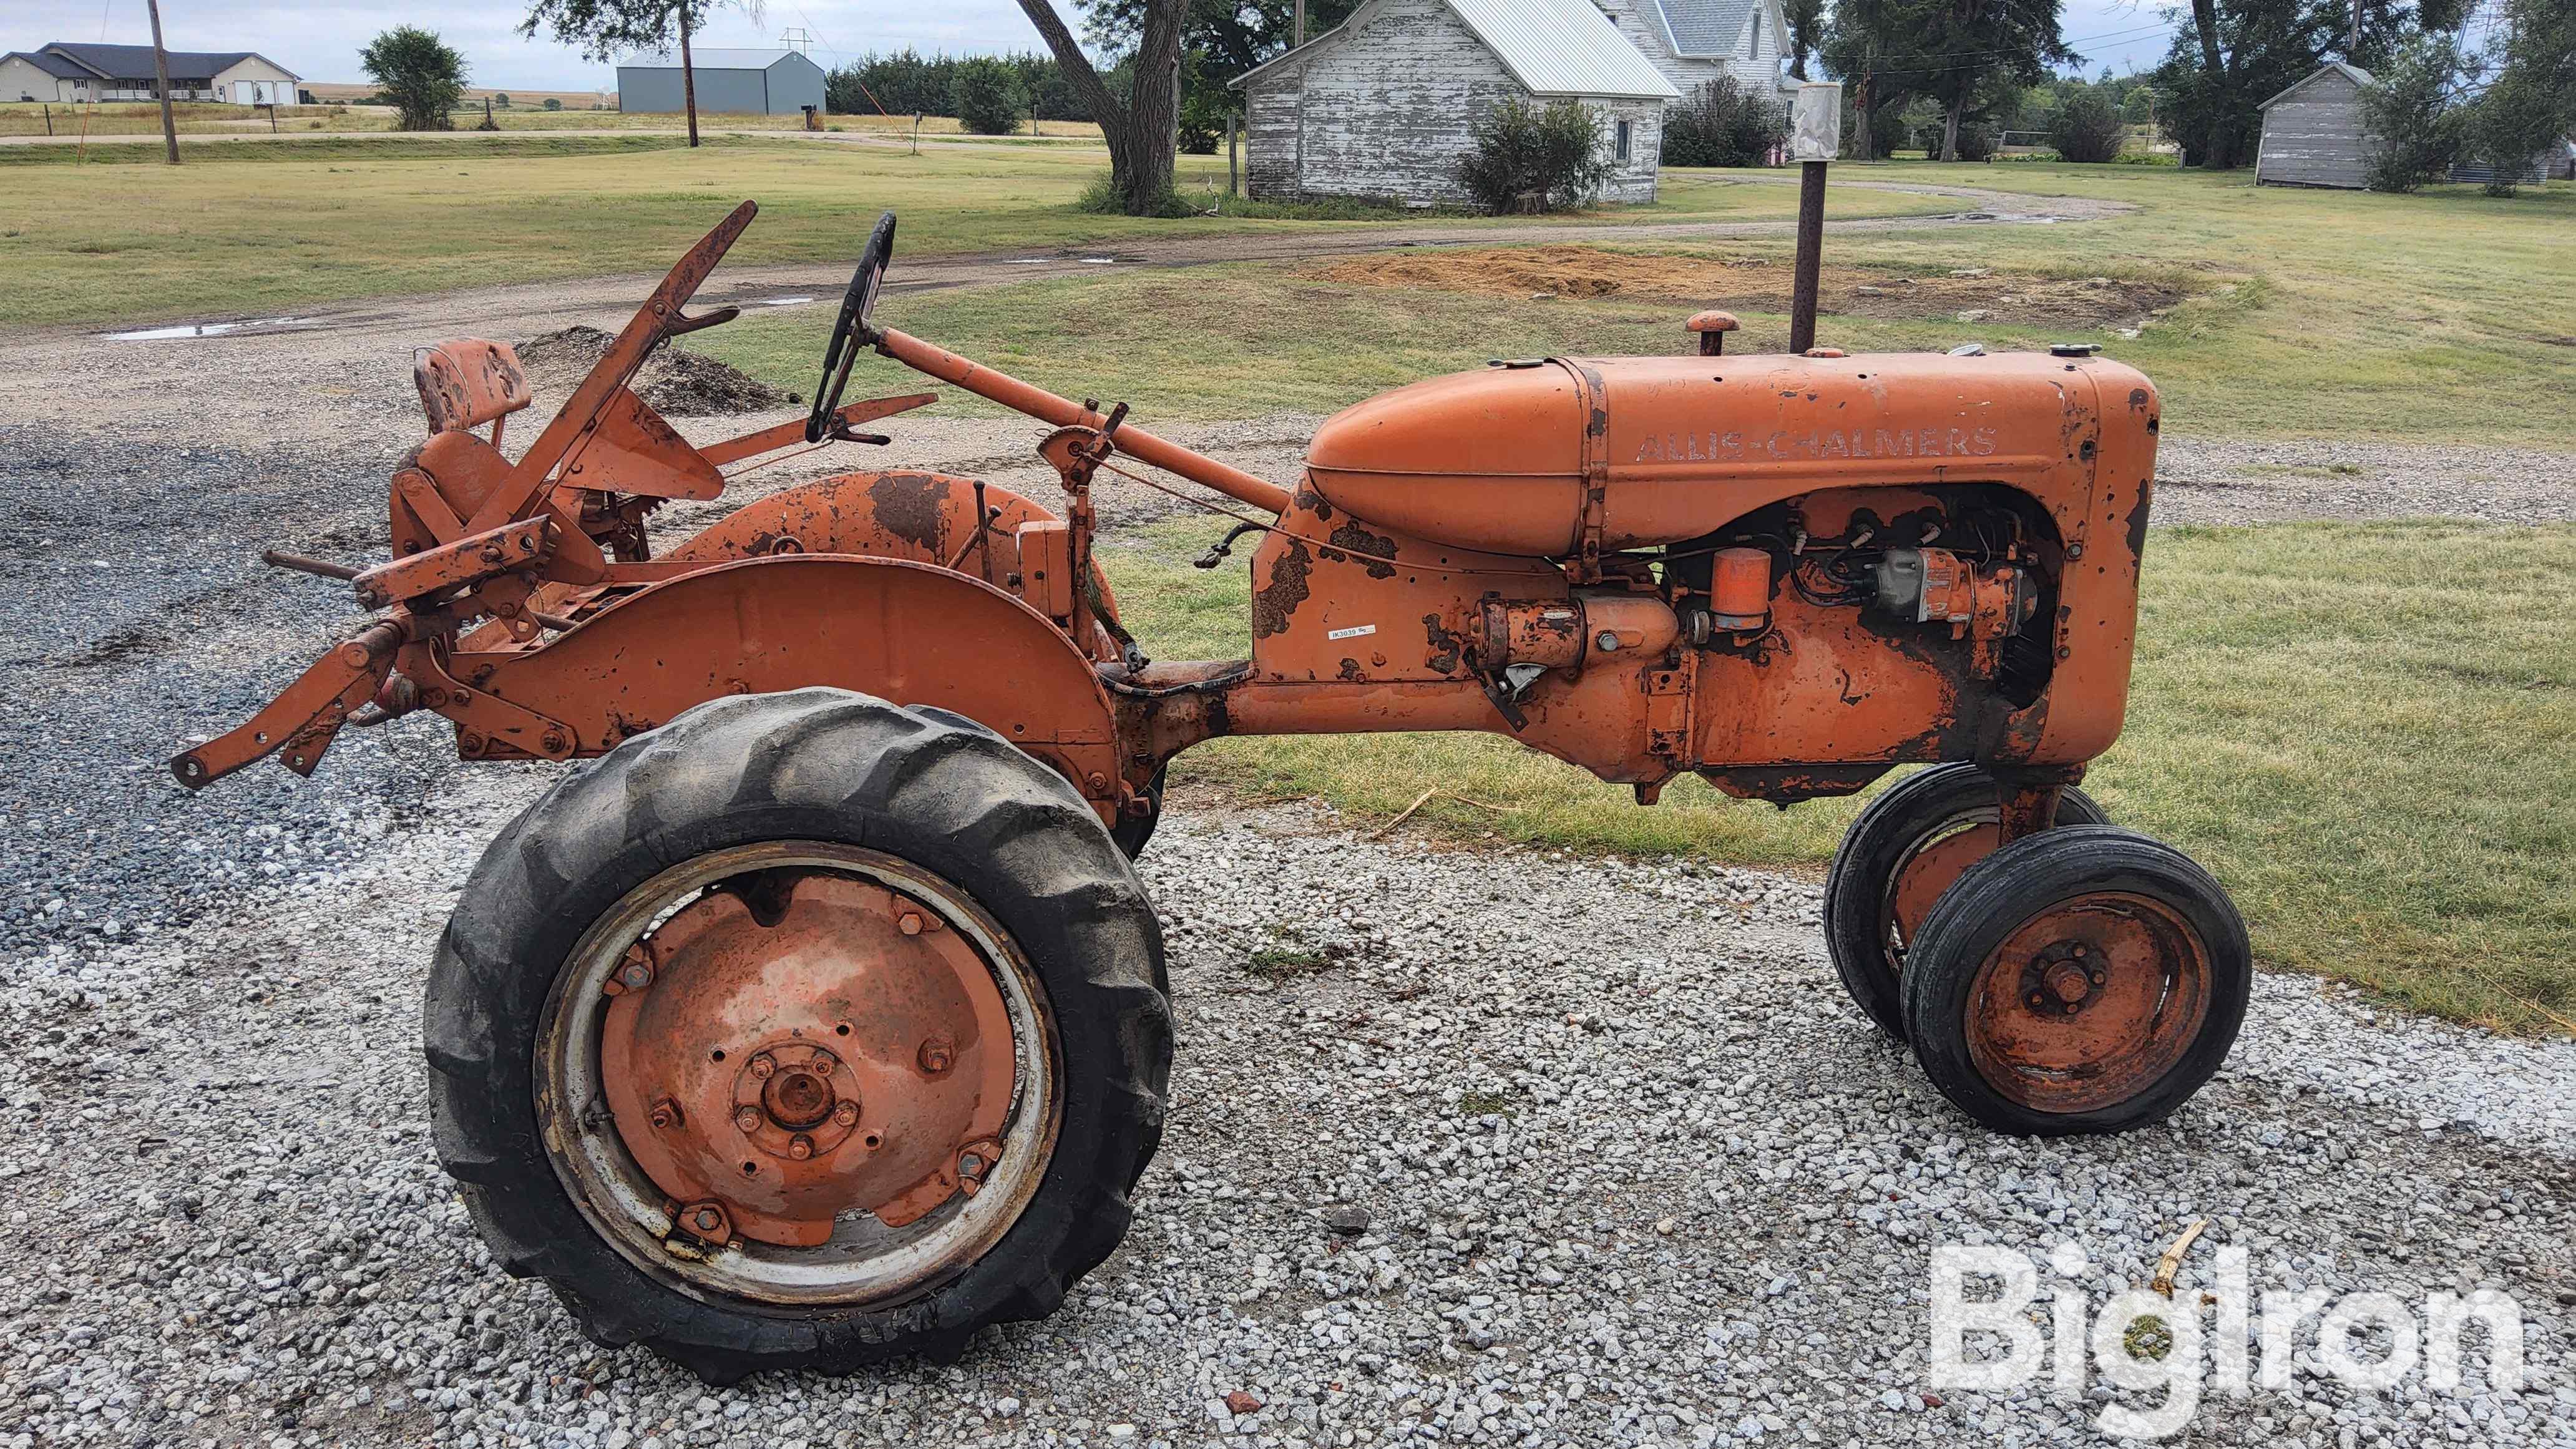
(319, 42)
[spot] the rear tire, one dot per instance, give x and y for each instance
(2082, 980)
(1905, 830)
(954, 804)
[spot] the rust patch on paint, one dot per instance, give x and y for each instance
(2138, 519)
(1278, 599)
(911, 506)
(1377, 551)
(1444, 646)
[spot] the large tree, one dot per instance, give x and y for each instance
(422, 76)
(1139, 125)
(1220, 40)
(1806, 20)
(2233, 55)
(1970, 57)
(607, 29)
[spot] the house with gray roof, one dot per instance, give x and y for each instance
(77, 71)
(1384, 105)
(1692, 42)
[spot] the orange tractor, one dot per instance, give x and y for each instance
(819, 1015)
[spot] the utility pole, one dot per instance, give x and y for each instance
(161, 69)
(688, 75)
(2352, 43)
(1301, 22)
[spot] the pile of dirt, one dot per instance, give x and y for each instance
(674, 383)
(1966, 294)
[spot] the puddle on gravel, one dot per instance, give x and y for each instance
(212, 329)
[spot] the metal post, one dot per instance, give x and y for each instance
(161, 69)
(1301, 22)
(1233, 173)
(1811, 246)
(1815, 135)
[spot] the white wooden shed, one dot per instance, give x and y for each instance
(2313, 133)
(1383, 105)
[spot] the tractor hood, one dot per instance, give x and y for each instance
(1502, 459)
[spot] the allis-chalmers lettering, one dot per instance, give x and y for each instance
(1714, 446)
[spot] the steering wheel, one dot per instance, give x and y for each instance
(850, 331)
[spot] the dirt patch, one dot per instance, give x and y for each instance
(1966, 294)
(676, 384)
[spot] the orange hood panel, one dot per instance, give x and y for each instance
(1498, 459)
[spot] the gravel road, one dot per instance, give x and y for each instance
(1632, 1171)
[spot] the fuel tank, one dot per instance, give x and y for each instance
(1504, 459)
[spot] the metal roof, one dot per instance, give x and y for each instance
(1552, 47)
(1705, 29)
(2358, 76)
(1563, 48)
(52, 65)
(127, 62)
(704, 58)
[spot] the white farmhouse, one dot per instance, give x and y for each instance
(1385, 103)
(1692, 42)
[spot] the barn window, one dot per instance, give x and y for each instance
(1619, 141)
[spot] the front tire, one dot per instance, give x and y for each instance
(812, 836)
(2082, 980)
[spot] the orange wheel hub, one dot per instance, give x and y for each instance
(2089, 1003)
(797, 1045)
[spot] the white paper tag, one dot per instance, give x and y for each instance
(1350, 633)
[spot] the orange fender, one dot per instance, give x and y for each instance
(910, 632)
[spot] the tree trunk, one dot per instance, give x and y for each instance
(2218, 147)
(161, 69)
(1860, 118)
(1138, 131)
(1950, 129)
(688, 75)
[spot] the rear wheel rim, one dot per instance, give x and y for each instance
(2089, 1003)
(636, 1110)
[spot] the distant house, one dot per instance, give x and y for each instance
(1693, 42)
(1383, 104)
(71, 71)
(729, 82)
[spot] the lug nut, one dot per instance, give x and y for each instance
(800, 1147)
(762, 1066)
(937, 1056)
(748, 1119)
(666, 1113)
(708, 1220)
(847, 1113)
(910, 924)
(970, 1165)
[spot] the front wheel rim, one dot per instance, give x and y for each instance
(2088, 1004)
(636, 1109)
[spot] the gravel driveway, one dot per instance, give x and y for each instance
(1630, 1170)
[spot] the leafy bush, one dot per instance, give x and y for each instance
(554, 103)
(2414, 131)
(1722, 123)
(987, 97)
(2087, 128)
(1529, 158)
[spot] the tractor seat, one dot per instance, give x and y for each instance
(469, 382)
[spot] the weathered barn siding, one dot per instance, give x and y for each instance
(1388, 111)
(2313, 133)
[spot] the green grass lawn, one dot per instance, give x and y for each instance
(2368, 732)
(239, 231)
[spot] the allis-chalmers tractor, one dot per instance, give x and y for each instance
(819, 1015)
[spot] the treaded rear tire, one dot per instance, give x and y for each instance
(1858, 926)
(816, 764)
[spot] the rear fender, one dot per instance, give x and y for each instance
(903, 630)
(899, 514)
